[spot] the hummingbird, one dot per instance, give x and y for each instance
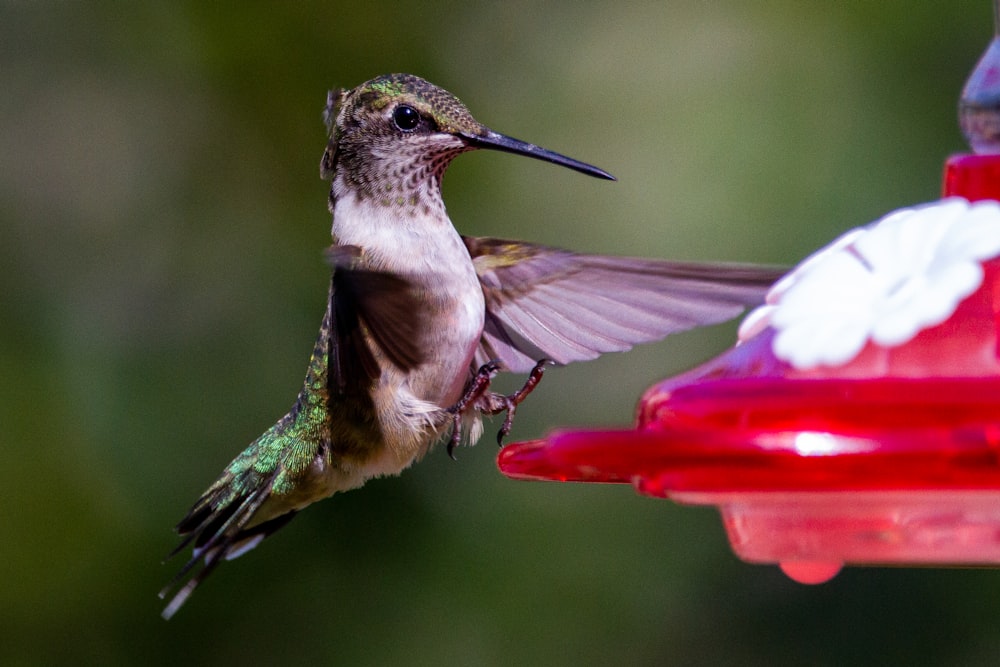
(419, 319)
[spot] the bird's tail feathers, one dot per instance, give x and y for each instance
(217, 527)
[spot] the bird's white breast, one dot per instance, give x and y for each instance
(423, 247)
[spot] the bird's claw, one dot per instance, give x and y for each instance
(479, 385)
(478, 395)
(511, 401)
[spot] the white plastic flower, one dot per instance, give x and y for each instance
(884, 282)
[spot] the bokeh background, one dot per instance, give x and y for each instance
(161, 227)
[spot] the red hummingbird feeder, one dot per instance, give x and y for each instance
(857, 421)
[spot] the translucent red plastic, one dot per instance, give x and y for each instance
(892, 458)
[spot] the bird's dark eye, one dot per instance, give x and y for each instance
(405, 117)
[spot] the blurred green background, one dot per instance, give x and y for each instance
(160, 251)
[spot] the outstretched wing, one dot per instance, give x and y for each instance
(547, 302)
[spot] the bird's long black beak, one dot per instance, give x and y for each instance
(500, 142)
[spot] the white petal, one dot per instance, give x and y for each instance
(806, 265)
(975, 236)
(813, 343)
(756, 321)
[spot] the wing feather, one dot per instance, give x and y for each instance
(369, 308)
(548, 302)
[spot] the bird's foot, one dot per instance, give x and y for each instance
(477, 389)
(479, 398)
(510, 402)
